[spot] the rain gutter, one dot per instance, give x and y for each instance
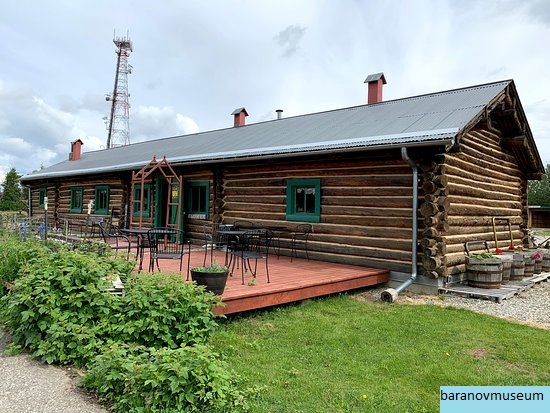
(390, 295)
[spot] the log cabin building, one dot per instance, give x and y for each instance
(379, 182)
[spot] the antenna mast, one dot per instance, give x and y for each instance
(119, 121)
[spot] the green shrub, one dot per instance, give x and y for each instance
(187, 379)
(163, 310)
(59, 309)
(15, 253)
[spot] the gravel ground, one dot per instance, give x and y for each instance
(28, 386)
(531, 307)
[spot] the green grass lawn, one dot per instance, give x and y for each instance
(344, 355)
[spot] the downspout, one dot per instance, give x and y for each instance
(390, 295)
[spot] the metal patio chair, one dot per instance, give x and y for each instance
(252, 246)
(166, 243)
(115, 240)
(300, 233)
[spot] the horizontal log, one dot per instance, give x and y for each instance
(466, 209)
(292, 167)
(474, 162)
(461, 188)
(371, 191)
(428, 209)
(375, 201)
(481, 221)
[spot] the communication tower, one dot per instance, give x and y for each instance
(119, 121)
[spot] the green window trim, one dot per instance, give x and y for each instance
(101, 200)
(303, 200)
(137, 210)
(77, 199)
(198, 198)
(42, 193)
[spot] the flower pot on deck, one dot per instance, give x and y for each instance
(484, 272)
(213, 280)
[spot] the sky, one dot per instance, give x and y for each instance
(194, 62)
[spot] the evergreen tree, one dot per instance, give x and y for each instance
(539, 191)
(12, 194)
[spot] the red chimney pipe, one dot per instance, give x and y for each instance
(239, 116)
(375, 84)
(76, 150)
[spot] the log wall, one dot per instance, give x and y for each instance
(51, 193)
(462, 193)
(365, 206)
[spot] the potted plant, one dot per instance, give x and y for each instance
(213, 277)
(484, 270)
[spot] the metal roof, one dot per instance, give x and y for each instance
(431, 119)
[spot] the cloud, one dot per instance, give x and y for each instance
(154, 122)
(540, 10)
(289, 39)
(34, 132)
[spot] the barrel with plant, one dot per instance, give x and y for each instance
(484, 271)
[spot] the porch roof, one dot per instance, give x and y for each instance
(432, 119)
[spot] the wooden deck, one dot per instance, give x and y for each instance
(290, 281)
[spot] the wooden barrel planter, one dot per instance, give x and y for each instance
(507, 261)
(518, 267)
(529, 264)
(537, 256)
(546, 260)
(484, 272)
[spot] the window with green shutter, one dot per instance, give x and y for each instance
(77, 197)
(41, 195)
(198, 199)
(303, 200)
(145, 209)
(101, 200)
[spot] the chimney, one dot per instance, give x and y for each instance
(279, 113)
(375, 84)
(239, 117)
(76, 150)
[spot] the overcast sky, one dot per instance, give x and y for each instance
(194, 62)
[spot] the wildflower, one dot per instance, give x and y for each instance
(364, 397)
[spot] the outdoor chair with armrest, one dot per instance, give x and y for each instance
(166, 243)
(301, 232)
(252, 246)
(213, 239)
(116, 241)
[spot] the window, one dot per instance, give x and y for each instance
(198, 199)
(76, 199)
(101, 200)
(41, 195)
(142, 210)
(303, 200)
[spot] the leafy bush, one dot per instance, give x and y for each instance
(14, 254)
(147, 350)
(59, 309)
(163, 310)
(187, 379)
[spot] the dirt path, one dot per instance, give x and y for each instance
(28, 386)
